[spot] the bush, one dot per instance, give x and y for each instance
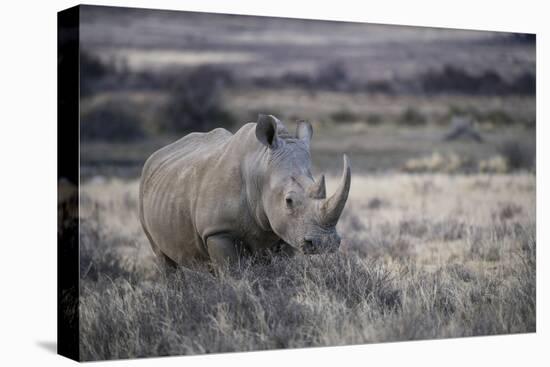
(374, 119)
(333, 76)
(343, 115)
(110, 122)
(300, 80)
(196, 102)
(495, 164)
(449, 79)
(379, 86)
(412, 116)
(436, 162)
(526, 84)
(518, 156)
(528, 38)
(497, 117)
(456, 80)
(91, 71)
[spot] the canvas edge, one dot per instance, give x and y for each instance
(68, 44)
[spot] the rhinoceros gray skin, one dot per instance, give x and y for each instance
(214, 196)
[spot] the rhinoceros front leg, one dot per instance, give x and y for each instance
(285, 249)
(222, 249)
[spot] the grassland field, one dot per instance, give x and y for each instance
(423, 256)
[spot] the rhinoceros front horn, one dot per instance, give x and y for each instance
(334, 205)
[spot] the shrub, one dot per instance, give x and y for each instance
(333, 76)
(343, 115)
(374, 119)
(110, 122)
(412, 117)
(298, 80)
(91, 71)
(196, 102)
(518, 155)
(495, 164)
(379, 86)
(449, 78)
(528, 38)
(526, 84)
(91, 66)
(436, 162)
(456, 80)
(498, 117)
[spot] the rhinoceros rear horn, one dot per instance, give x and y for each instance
(334, 205)
(318, 189)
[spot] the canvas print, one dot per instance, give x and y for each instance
(234, 183)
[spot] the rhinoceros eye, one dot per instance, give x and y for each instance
(292, 200)
(288, 201)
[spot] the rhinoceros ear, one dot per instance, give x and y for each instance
(304, 131)
(266, 131)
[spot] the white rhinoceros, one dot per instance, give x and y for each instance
(213, 196)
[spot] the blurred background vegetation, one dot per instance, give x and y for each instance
(393, 97)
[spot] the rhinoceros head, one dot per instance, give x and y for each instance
(295, 204)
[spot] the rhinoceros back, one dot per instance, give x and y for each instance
(169, 189)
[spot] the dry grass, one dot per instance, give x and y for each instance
(424, 256)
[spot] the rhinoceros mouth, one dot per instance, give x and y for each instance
(312, 247)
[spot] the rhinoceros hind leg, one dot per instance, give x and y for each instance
(169, 262)
(165, 264)
(222, 249)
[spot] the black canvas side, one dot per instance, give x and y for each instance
(68, 182)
